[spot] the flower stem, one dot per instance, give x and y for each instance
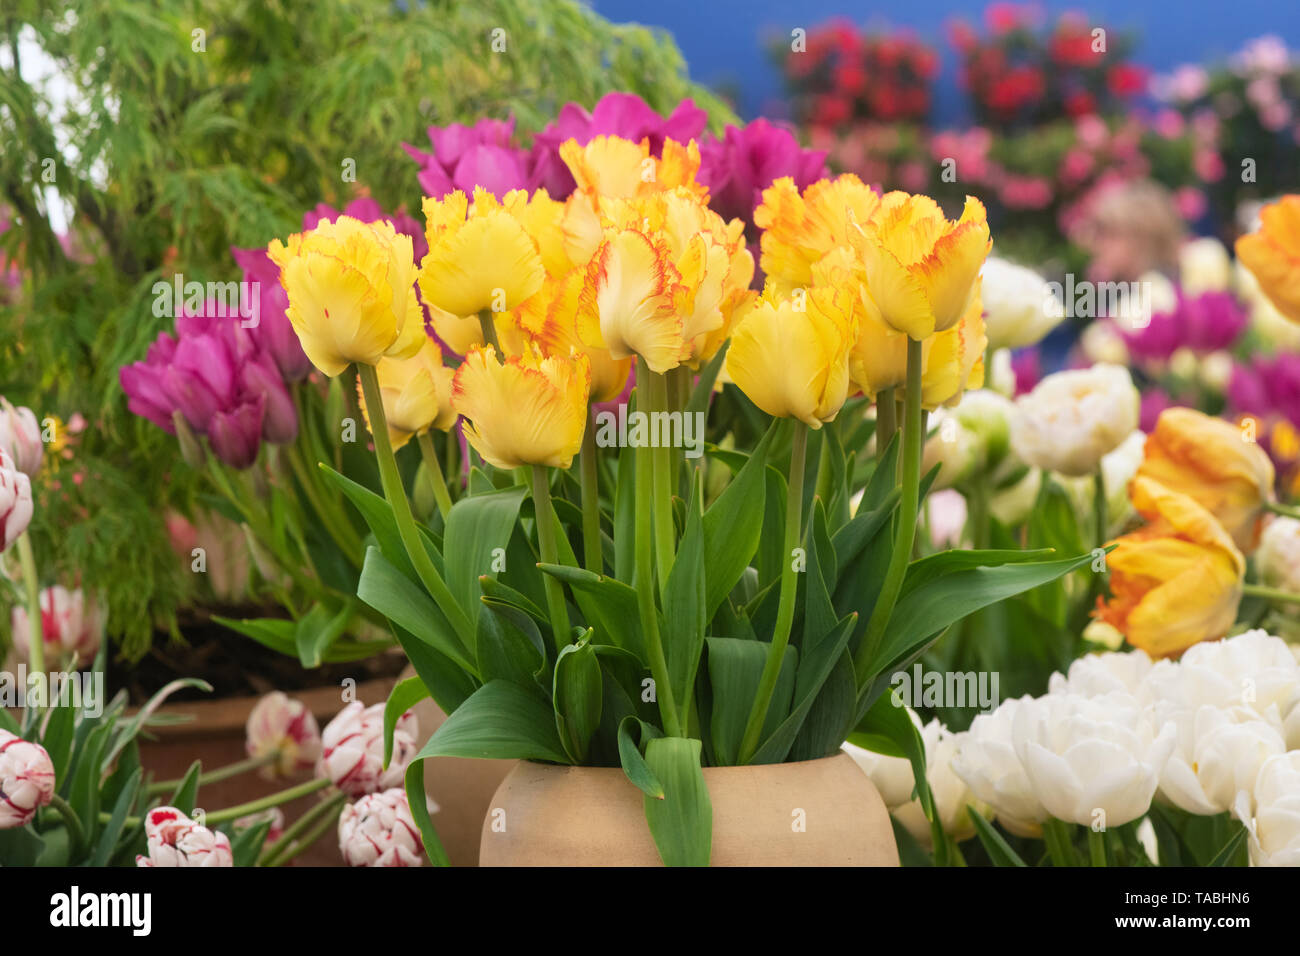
(278, 854)
(35, 625)
(488, 326)
(1096, 847)
(657, 394)
(436, 477)
(406, 528)
(550, 555)
(76, 832)
(886, 420)
(323, 824)
(214, 776)
(1271, 594)
(1057, 837)
(1099, 506)
(1288, 511)
(644, 574)
(785, 608)
(265, 803)
(590, 478)
(913, 440)
(327, 510)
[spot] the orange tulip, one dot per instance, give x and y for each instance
(1178, 580)
(1212, 461)
(1273, 255)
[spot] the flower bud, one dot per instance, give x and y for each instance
(15, 501)
(20, 436)
(73, 625)
(176, 840)
(353, 749)
(280, 725)
(26, 780)
(378, 830)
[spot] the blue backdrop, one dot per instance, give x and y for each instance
(725, 42)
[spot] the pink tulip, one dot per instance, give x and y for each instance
(176, 840)
(26, 780)
(20, 435)
(353, 749)
(378, 830)
(72, 623)
(15, 501)
(280, 725)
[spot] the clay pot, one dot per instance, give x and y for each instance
(548, 815)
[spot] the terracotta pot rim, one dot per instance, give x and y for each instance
(750, 766)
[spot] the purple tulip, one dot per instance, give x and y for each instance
(738, 167)
(615, 114)
(147, 396)
(467, 156)
(1154, 401)
(273, 334)
(235, 435)
(1204, 323)
(1267, 387)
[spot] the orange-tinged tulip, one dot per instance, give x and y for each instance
(1273, 254)
(1178, 580)
(800, 229)
(792, 363)
(1212, 461)
(629, 300)
(351, 289)
(529, 410)
(416, 393)
(920, 269)
(551, 319)
(481, 257)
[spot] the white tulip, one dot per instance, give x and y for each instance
(1019, 304)
(1146, 835)
(1218, 754)
(1278, 557)
(1101, 342)
(986, 760)
(1117, 470)
(1072, 419)
(1253, 670)
(1272, 818)
(950, 792)
(892, 776)
(946, 516)
(1095, 675)
(1091, 760)
(1001, 375)
(1204, 266)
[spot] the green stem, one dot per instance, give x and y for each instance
(1272, 594)
(406, 527)
(665, 544)
(913, 441)
(1288, 511)
(488, 326)
(35, 626)
(550, 555)
(327, 511)
(644, 573)
(785, 608)
(315, 833)
(590, 500)
(76, 832)
(274, 854)
(1099, 506)
(214, 776)
(436, 478)
(1096, 847)
(266, 803)
(1056, 835)
(886, 420)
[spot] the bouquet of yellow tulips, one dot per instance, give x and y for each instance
(628, 579)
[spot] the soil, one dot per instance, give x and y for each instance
(235, 666)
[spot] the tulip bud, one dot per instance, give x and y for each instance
(26, 780)
(72, 623)
(15, 501)
(1071, 419)
(176, 840)
(20, 436)
(280, 725)
(352, 753)
(378, 830)
(1278, 557)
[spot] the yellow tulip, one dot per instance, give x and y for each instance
(800, 229)
(1211, 461)
(351, 289)
(529, 410)
(481, 257)
(416, 393)
(1273, 255)
(791, 363)
(551, 319)
(629, 300)
(920, 268)
(1178, 580)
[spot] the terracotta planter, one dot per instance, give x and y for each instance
(592, 816)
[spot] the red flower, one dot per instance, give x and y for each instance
(1080, 103)
(1125, 79)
